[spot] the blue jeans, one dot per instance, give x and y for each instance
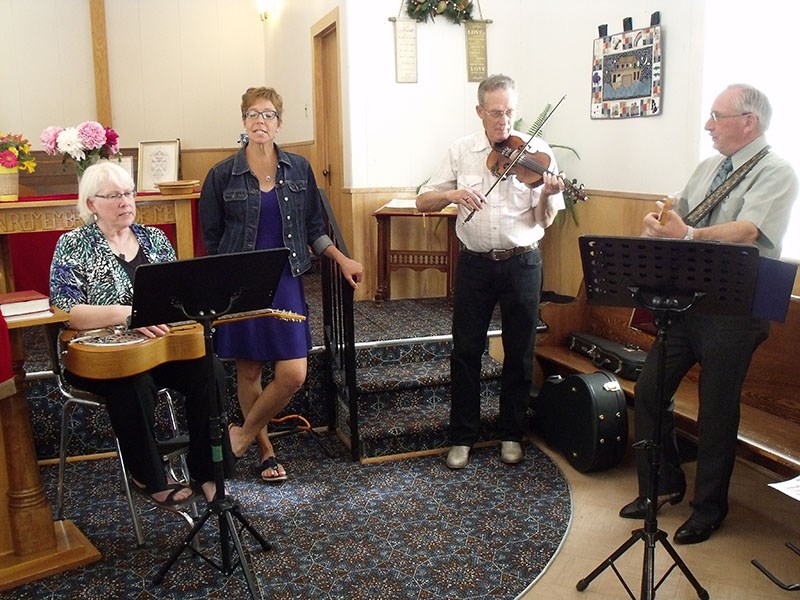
(481, 284)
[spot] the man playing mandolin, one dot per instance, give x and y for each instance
(742, 195)
(499, 263)
(91, 278)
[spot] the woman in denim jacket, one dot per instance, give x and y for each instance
(259, 198)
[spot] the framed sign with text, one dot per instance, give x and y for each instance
(475, 32)
(405, 51)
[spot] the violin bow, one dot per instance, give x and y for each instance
(519, 155)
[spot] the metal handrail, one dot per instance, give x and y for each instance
(339, 329)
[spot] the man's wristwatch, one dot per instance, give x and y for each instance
(689, 233)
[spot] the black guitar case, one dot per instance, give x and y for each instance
(585, 418)
(624, 360)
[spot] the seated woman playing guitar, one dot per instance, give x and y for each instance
(91, 278)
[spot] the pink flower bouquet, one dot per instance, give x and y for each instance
(83, 145)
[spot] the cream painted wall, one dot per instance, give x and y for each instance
(46, 74)
(288, 62)
(399, 132)
(178, 68)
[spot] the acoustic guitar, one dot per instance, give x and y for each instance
(114, 352)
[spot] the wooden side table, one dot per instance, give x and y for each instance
(390, 259)
(32, 545)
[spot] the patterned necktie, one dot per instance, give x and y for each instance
(722, 174)
(724, 170)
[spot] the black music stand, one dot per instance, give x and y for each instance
(668, 277)
(203, 290)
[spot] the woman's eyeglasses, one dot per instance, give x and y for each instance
(117, 196)
(268, 115)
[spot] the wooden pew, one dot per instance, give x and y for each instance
(769, 430)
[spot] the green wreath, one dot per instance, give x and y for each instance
(455, 10)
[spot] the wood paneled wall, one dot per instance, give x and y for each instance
(605, 213)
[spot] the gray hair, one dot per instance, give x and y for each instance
(495, 82)
(752, 100)
(96, 177)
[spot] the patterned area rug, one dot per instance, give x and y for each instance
(408, 529)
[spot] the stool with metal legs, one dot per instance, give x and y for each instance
(172, 450)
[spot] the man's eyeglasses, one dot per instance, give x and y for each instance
(496, 114)
(268, 115)
(117, 196)
(715, 116)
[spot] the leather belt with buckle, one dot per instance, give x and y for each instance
(502, 254)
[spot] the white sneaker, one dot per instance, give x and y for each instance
(510, 452)
(458, 457)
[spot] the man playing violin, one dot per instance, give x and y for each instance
(499, 263)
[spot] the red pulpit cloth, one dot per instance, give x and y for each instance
(7, 386)
(31, 253)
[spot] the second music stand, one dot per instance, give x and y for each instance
(668, 277)
(204, 290)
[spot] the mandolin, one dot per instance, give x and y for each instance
(641, 318)
(665, 208)
(115, 352)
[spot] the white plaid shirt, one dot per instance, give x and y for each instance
(507, 219)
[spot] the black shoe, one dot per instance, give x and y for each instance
(638, 508)
(694, 532)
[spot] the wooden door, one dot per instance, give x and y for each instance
(329, 167)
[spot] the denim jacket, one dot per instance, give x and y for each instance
(230, 202)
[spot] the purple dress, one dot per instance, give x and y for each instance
(268, 338)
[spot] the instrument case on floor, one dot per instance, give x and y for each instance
(623, 360)
(584, 416)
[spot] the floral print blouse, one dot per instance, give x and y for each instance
(85, 271)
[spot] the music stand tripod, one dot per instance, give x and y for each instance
(203, 290)
(668, 277)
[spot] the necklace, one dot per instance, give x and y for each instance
(268, 178)
(118, 250)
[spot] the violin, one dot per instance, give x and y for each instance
(529, 168)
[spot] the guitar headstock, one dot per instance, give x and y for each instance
(283, 315)
(665, 208)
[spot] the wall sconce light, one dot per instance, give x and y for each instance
(266, 8)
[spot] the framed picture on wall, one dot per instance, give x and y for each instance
(626, 74)
(158, 161)
(126, 162)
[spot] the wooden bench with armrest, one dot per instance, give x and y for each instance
(769, 429)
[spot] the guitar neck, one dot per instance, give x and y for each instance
(284, 315)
